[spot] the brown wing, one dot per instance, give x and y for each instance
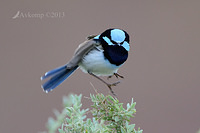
(83, 49)
(91, 37)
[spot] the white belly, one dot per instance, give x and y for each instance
(95, 62)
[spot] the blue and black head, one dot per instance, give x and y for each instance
(115, 43)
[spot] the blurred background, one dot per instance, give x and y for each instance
(161, 74)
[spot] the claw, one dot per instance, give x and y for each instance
(114, 84)
(117, 75)
(110, 87)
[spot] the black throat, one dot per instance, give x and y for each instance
(115, 54)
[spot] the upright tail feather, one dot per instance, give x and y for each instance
(57, 75)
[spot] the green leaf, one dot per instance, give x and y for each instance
(109, 116)
(123, 130)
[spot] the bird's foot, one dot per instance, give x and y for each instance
(110, 87)
(108, 84)
(116, 75)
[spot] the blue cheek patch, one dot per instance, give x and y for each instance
(126, 45)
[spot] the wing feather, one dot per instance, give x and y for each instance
(82, 50)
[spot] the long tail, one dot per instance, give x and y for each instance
(57, 75)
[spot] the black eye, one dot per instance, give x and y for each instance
(113, 42)
(121, 43)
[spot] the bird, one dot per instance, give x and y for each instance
(99, 55)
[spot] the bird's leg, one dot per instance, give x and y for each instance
(116, 75)
(109, 85)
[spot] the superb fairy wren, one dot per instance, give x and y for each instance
(100, 55)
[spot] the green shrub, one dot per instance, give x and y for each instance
(109, 116)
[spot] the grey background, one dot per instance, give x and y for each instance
(161, 74)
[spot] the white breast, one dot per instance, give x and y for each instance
(95, 62)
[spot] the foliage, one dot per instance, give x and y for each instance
(109, 116)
